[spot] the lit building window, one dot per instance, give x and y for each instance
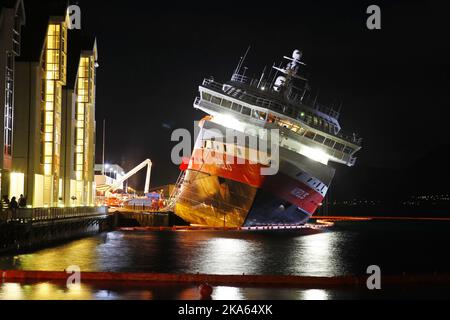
(54, 77)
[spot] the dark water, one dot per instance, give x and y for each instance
(346, 248)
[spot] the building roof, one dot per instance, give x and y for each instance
(38, 15)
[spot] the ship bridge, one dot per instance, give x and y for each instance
(231, 104)
(274, 102)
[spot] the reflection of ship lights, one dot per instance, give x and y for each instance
(314, 294)
(227, 293)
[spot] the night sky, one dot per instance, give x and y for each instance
(394, 82)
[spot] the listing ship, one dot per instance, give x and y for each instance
(238, 183)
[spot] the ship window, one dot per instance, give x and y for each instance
(316, 121)
(348, 150)
(338, 146)
(216, 100)
(205, 144)
(310, 135)
(226, 103)
(236, 107)
(225, 148)
(206, 96)
(259, 115)
(246, 111)
(319, 138)
(329, 143)
(301, 131)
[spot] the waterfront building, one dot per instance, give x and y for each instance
(78, 134)
(55, 110)
(12, 18)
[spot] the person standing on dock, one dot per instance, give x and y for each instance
(22, 201)
(13, 204)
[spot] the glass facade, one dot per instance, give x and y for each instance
(84, 130)
(54, 77)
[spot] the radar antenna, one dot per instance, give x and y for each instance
(290, 71)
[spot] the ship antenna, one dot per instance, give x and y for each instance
(304, 91)
(241, 61)
(270, 71)
(262, 76)
(317, 96)
(339, 110)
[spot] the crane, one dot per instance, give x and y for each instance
(146, 163)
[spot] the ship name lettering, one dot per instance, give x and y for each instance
(299, 193)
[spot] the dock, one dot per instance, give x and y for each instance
(27, 228)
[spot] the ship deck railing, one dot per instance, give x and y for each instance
(337, 155)
(294, 97)
(275, 106)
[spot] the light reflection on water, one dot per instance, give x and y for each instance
(51, 291)
(395, 247)
(347, 249)
(188, 252)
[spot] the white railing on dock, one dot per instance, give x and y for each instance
(46, 214)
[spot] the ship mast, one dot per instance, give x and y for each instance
(290, 72)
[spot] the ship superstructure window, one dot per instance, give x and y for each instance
(236, 107)
(310, 134)
(206, 96)
(246, 111)
(339, 146)
(329, 143)
(259, 115)
(216, 100)
(319, 138)
(348, 150)
(226, 103)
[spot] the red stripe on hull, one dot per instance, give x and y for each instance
(215, 163)
(281, 185)
(294, 192)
